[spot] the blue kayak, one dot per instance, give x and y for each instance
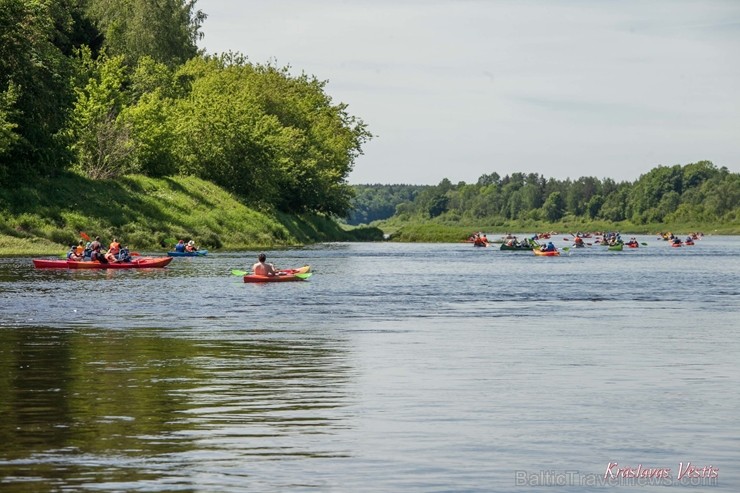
(198, 253)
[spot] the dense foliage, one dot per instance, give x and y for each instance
(378, 202)
(694, 193)
(109, 88)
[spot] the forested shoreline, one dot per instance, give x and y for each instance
(697, 195)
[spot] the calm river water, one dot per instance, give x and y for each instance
(395, 368)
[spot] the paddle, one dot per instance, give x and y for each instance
(84, 236)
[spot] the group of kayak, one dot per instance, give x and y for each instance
(610, 239)
(508, 241)
(93, 256)
(675, 241)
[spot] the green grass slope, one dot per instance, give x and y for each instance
(149, 214)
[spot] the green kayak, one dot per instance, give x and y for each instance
(504, 246)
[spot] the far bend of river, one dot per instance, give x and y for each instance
(395, 368)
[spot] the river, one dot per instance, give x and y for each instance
(395, 368)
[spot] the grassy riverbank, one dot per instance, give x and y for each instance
(149, 214)
(431, 231)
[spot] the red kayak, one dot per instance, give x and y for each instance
(136, 263)
(287, 275)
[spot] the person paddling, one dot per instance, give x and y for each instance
(72, 254)
(262, 268)
(97, 255)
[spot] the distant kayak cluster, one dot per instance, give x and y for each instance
(91, 255)
(676, 241)
(541, 243)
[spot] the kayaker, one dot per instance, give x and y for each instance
(72, 254)
(87, 252)
(80, 249)
(262, 268)
(98, 255)
(96, 245)
(110, 257)
(180, 247)
(550, 247)
(190, 247)
(114, 247)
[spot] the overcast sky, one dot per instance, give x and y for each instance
(458, 88)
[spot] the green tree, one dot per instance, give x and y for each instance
(615, 204)
(8, 135)
(694, 175)
(437, 205)
(266, 135)
(35, 91)
(152, 118)
(593, 208)
(648, 191)
(554, 206)
(165, 30)
(100, 138)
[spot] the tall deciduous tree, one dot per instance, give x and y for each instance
(553, 207)
(165, 30)
(35, 91)
(100, 138)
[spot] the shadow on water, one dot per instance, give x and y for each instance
(136, 409)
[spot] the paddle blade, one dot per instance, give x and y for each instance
(565, 249)
(643, 244)
(237, 272)
(84, 236)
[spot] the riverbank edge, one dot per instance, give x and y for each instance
(150, 214)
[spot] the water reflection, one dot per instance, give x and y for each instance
(94, 406)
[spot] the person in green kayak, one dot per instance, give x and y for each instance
(262, 268)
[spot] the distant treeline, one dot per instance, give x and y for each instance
(693, 193)
(113, 87)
